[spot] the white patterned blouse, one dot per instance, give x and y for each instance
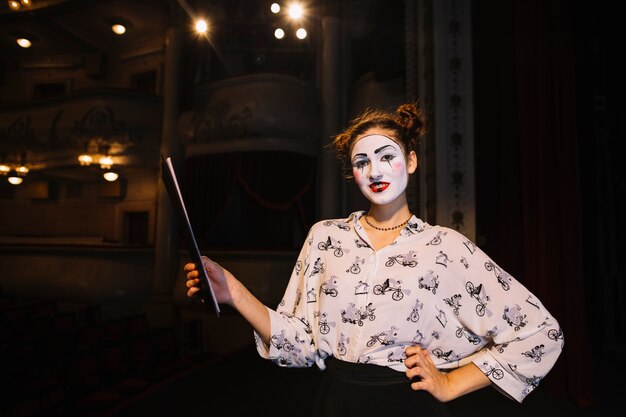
(432, 287)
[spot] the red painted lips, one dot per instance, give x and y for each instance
(379, 187)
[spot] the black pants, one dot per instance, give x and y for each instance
(363, 390)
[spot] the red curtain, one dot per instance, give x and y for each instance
(551, 214)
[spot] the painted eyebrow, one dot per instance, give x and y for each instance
(383, 147)
(375, 151)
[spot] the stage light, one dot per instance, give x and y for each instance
(202, 26)
(301, 33)
(296, 11)
(279, 33)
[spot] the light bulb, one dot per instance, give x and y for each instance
(118, 29)
(24, 43)
(106, 162)
(16, 180)
(301, 33)
(295, 11)
(85, 160)
(201, 26)
(110, 176)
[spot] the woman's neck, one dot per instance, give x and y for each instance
(396, 210)
(383, 223)
(390, 214)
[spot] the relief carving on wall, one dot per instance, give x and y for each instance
(99, 127)
(455, 169)
(18, 136)
(219, 123)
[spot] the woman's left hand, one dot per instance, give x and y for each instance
(425, 374)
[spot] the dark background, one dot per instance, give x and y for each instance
(549, 142)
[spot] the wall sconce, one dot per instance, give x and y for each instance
(101, 137)
(106, 162)
(22, 170)
(96, 152)
(16, 175)
(16, 5)
(85, 159)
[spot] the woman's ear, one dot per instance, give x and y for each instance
(412, 163)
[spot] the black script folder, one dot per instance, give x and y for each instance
(171, 184)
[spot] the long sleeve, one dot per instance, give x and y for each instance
(523, 339)
(291, 341)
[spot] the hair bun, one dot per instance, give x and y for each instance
(411, 118)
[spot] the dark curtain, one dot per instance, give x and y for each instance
(551, 214)
(251, 200)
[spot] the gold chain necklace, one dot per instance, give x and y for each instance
(385, 229)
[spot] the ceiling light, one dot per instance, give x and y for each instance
(295, 11)
(4, 169)
(301, 33)
(118, 25)
(26, 3)
(24, 43)
(110, 176)
(118, 29)
(15, 180)
(279, 33)
(275, 7)
(201, 26)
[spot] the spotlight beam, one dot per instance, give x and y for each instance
(185, 6)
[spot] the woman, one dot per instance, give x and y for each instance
(404, 316)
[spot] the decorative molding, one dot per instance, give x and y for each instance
(49, 133)
(454, 133)
(100, 124)
(220, 123)
(260, 112)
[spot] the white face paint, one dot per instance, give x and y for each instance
(379, 168)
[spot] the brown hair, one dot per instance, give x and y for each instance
(408, 124)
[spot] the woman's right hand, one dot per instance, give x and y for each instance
(228, 290)
(221, 280)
